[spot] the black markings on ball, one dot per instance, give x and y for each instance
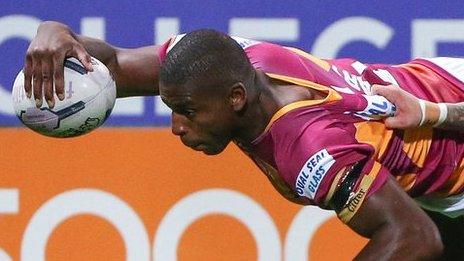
(75, 67)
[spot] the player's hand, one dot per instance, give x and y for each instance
(408, 112)
(44, 61)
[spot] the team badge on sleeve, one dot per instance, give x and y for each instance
(312, 173)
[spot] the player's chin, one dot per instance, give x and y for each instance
(212, 150)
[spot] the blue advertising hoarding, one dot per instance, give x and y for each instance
(371, 31)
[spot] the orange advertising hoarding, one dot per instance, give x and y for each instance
(138, 194)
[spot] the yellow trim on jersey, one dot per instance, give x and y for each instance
(332, 95)
(375, 134)
(321, 63)
(301, 82)
(406, 181)
(416, 144)
(356, 200)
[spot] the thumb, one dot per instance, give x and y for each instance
(387, 91)
(83, 56)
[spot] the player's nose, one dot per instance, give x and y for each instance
(177, 126)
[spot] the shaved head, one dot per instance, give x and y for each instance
(208, 58)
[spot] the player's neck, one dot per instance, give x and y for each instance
(260, 108)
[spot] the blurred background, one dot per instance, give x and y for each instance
(130, 191)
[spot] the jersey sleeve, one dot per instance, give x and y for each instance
(163, 50)
(316, 163)
(279, 60)
(167, 46)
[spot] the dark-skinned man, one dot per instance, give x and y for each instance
(311, 125)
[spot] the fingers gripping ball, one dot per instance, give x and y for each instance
(89, 99)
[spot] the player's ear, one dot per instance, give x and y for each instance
(237, 96)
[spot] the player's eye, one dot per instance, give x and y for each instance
(189, 112)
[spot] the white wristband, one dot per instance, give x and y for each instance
(422, 107)
(443, 114)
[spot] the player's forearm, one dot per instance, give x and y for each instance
(446, 116)
(134, 70)
(389, 243)
(395, 234)
(379, 247)
(455, 117)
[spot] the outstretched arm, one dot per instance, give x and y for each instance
(448, 116)
(134, 70)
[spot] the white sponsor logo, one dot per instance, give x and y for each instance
(386, 76)
(378, 107)
(312, 173)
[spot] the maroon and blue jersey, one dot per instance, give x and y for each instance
(307, 146)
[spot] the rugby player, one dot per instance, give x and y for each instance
(310, 125)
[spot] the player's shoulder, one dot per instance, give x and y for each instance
(312, 143)
(309, 129)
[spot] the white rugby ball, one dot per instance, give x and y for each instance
(89, 99)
